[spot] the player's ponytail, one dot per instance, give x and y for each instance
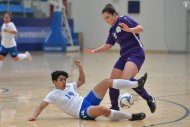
(109, 9)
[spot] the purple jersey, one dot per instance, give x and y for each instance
(126, 40)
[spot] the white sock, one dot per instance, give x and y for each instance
(1, 64)
(118, 115)
(22, 56)
(122, 83)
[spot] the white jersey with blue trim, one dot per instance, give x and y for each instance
(8, 39)
(68, 100)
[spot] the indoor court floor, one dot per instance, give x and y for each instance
(23, 85)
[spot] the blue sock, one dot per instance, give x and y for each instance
(142, 92)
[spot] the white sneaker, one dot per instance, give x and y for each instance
(28, 56)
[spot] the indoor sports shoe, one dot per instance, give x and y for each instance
(115, 108)
(152, 104)
(142, 81)
(138, 116)
(28, 56)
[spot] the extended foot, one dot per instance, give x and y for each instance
(138, 116)
(142, 81)
(152, 104)
(28, 56)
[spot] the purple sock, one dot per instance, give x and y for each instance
(114, 94)
(142, 92)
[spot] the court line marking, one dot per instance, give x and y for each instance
(3, 90)
(186, 114)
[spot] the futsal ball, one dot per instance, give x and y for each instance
(126, 100)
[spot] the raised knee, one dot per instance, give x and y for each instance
(1, 58)
(109, 81)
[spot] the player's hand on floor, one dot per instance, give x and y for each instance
(32, 119)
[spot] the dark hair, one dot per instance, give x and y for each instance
(9, 13)
(109, 9)
(55, 75)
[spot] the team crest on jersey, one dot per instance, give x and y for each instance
(118, 29)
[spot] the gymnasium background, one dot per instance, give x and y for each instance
(166, 23)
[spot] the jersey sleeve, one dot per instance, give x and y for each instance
(74, 84)
(129, 22)
(110, 39)
(49, 98)
(13, 27)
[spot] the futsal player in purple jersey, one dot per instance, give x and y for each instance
(125, 32)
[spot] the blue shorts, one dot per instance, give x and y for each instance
(136, 57)
(89, 100)
(4, 51)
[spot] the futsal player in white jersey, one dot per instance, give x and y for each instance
(66, 98)
(8, 43)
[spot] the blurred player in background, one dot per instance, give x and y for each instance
(124, 31)
(8, 43)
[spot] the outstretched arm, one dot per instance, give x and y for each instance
(102, 48)
(38, 111)
(81, 78)
(10, 31)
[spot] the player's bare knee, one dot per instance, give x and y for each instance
(108, 82)
(16, 58)
(2, 58)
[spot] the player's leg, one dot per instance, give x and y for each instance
(114, 93)
(116, 74)
(19, 56)
(1, 61)
(129, 72)
(25, 55)
(151, 101)
(3, 53)
(131, 69)
(101, 88)
(2, 57)
(90, 108)
(95, 111)
(122, 70)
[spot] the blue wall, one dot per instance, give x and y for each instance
(32, 32)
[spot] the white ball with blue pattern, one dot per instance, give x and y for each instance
(126, 100)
